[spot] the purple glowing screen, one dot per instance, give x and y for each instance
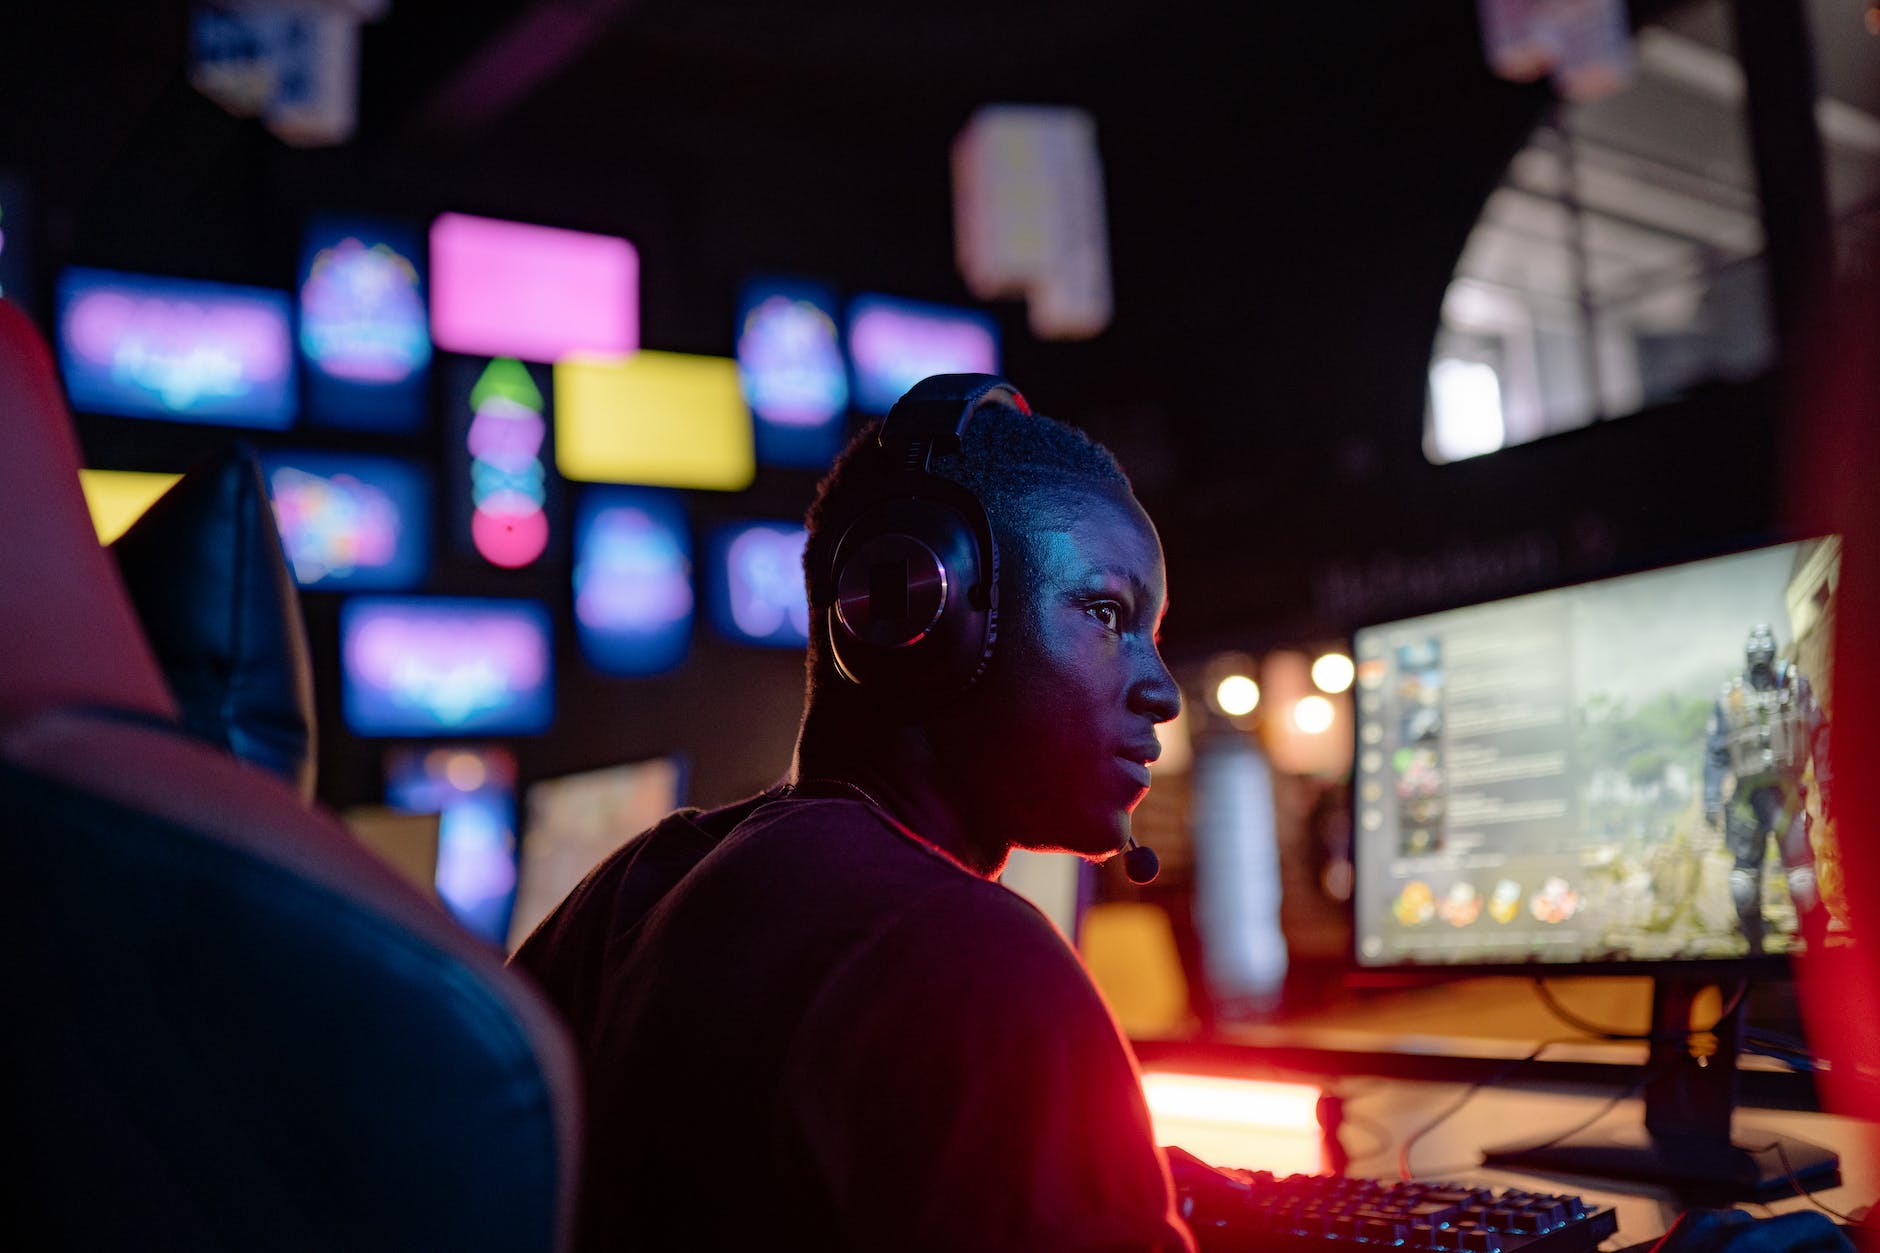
(350, 519)
(437, 665)
(364, 331)
(755, 573)
(633, 598)
(190, 351)
(894, 343)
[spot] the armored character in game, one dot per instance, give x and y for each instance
(1765, 732)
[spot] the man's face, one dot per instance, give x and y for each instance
(1056, 752)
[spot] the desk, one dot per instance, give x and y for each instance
(1381, 1112)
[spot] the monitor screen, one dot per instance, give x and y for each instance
(894, 343)
(1630, 770)
(576, 820)
(661, 419)
(426, 666)
(633, 600)
(190, 351)
(795, 380)
(350, 520)
(754, 578)
(512, 289)
(117, 498)
(364, 331)
(473, 792)
(503, 496)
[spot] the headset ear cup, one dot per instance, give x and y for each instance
(927, 649)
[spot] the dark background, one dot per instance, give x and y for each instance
(1288, 189)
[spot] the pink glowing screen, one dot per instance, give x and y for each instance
(508, 289)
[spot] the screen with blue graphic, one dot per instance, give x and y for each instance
(351, 520)
(424, 666)
(633, 598)
(146, 347)
(472, 790)
(791, 366)
(365, 334)
(754, 571)
(895, 343)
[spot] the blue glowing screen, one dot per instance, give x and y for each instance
(633, 597)
(895, 343)
(791, 366)
(182, 349)
(364, 328)
(473, 792)
(351, 520)
(755, 577)
(445, 666)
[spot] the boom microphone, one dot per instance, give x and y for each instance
(1140, 864)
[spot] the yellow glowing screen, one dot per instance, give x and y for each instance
(663, 418)
(118, 498)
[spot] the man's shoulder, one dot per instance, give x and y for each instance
(623, 887)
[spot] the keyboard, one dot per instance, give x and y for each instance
(1231, 1210)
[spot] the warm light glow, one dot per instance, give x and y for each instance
(1241, 1102)
(1236, 695)
(1238, 1122)
(665, 419)
(118, 498)
(1313, 714)
(1333, 672)
(465, 771)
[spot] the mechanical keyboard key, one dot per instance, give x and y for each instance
(1341, 1214)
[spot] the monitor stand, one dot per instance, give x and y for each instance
(1690, 1141)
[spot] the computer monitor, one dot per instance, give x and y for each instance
(365, 336)
(472, 790)
(1625, 777)
(351, 521)
(182, 350)
(424, 666)
(575, 821)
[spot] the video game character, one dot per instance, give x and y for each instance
(1765, 732)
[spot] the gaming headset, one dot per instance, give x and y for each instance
(909, 585)
(908, 578)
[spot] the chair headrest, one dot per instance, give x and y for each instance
(70, 633)
(208, 578)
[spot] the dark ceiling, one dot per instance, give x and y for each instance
(1288, 189)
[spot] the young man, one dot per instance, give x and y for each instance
(815, 1019)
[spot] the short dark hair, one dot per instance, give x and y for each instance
(1013, 462)
(1006, 458)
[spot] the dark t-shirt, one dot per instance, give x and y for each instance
(830, 1035)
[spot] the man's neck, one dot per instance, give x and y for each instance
(895, 768)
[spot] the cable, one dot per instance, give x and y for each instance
(1801, 1190)
(1603, 1110)
(1605, 1033)
(1381, 1137)
(1403, 1150)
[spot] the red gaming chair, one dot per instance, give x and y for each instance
(228, 1026)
